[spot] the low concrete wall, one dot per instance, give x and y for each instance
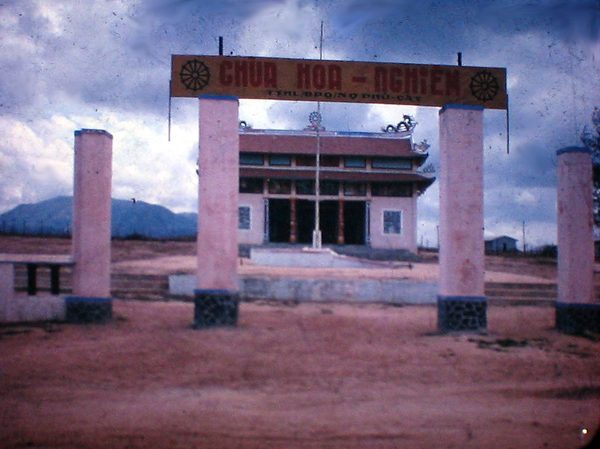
(22, 309)
(397, 291)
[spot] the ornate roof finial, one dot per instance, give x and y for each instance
(407, 123)
(421, 147)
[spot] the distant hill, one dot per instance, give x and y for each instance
(129, 219)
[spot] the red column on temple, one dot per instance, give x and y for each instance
(341, 238)
(293, 221)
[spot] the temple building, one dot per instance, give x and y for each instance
(368, 187)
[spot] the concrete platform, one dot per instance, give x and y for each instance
(397, 291)
(313, 258)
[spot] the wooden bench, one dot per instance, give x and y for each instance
(33, 261)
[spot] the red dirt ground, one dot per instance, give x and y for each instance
(297, 376)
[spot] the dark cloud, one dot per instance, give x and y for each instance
(575, 21)
(571, 19)
(179, 11)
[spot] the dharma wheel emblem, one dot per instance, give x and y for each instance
(315, 119)
(194, 75)
(484, 86)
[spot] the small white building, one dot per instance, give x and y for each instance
(503, 244)
(369, 185)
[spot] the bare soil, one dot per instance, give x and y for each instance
(293, 376)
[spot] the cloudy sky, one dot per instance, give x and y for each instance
(68, 64)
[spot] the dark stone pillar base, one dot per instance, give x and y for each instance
(462, 313)
(215, 308)
(577, 318)
(82, 310)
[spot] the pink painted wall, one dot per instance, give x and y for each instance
(217, 245)
(461, 202)
(408, 238)
(575, 227)
(255, 235)
(92, 213)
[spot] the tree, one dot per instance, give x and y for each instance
(591, 139)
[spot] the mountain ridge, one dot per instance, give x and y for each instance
(129, 219)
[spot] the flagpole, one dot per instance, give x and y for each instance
(317, 236)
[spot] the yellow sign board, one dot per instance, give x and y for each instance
(338, 81)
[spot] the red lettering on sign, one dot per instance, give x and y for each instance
(270, 74)
(303, 76)
(319, 76)
(412, 81)
(255, 72)
(381, 81)
(452, 82)
(242, 73)
(418, 80)
(396, 80)
(335, 77)
(225, 77)
(436, 78)
(423, 72)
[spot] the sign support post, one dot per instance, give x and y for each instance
(217, 291)
(461, 302)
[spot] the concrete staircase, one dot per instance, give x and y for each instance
(147, 287)
(503, 294)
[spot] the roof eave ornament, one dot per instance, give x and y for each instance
(421, 147)
(407, 124)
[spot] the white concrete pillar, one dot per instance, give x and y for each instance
(216, 297)
(461, 302)
(91, 300)
(576, 308)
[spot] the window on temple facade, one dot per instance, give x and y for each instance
(330, 161)
(303, 160)
(392, 222)
(395, 163)
(355, 162)
(280, 186)
(355, 189)
(305, 187)
(328, 187)
(280, 159)
(391, 189)
(251, 185)
(245, 218)
(251, 159)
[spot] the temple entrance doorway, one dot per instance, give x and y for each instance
(279, 221)
(355, 222)
(352, 232)
(305, 217)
